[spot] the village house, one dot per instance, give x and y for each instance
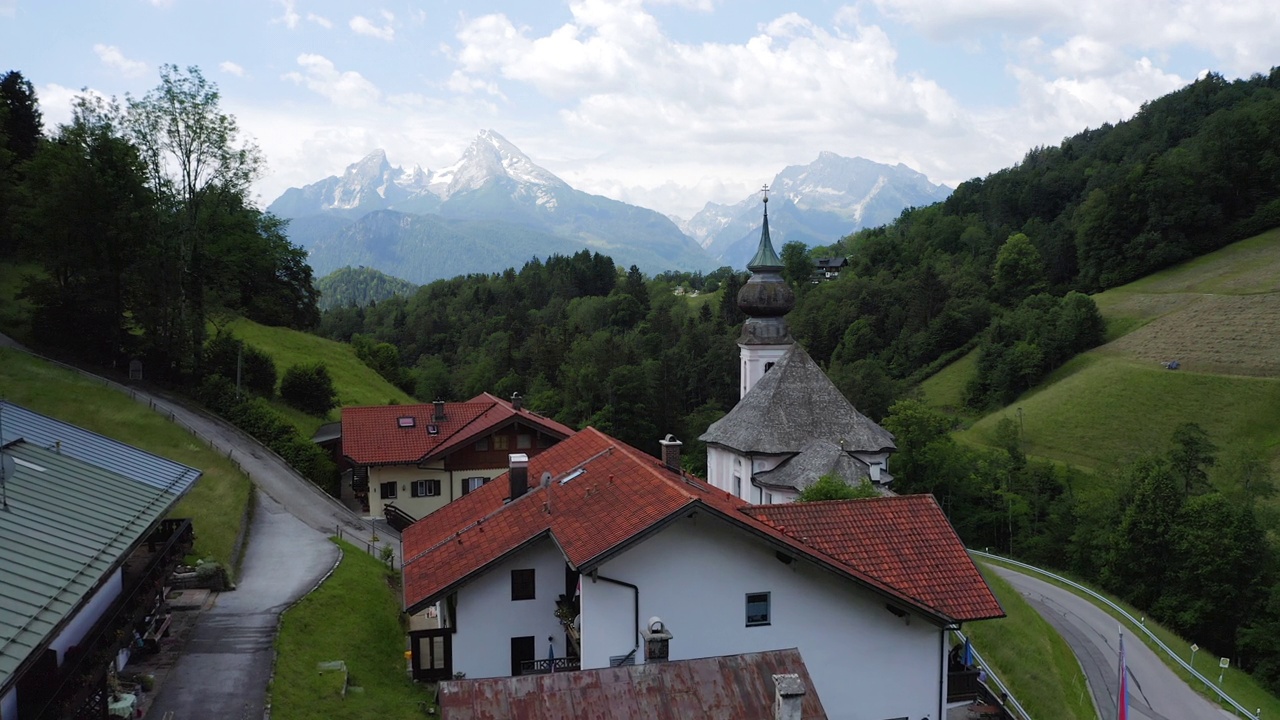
(594, 554)
(410, 460)
(85, 550)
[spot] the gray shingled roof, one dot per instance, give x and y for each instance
(790, 406)
(818, 458)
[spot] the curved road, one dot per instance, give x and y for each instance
(1155, 692)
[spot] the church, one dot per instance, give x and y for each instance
(791, 425)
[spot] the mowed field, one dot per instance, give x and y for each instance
(1218, 316)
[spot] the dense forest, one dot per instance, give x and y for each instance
(359, 286)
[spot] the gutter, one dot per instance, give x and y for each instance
(636, 595)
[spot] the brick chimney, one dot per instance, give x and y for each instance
(518, 474)
(438, 416)
(517, 402)
(671, 452)
(788, 697)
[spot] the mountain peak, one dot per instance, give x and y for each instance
(488, 158)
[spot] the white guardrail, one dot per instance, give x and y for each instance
(1137, 623)
(1009, 699)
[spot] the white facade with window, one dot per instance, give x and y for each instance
(718, 591)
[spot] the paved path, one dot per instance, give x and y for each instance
(1155, 692)
(223, 670)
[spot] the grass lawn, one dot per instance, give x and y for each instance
(356, 383)
(353, 617)
(215, 503)
(1029, 656)
(944, 390)
(1239, 685)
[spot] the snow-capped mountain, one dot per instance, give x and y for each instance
(492, 183)
(815, 204)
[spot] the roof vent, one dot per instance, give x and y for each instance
(433, 429)
(572, 475)
(517, 402)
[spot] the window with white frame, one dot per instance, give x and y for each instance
(425, 488)
(473, 483)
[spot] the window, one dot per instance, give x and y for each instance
(387, 490)
(524, 441)
(482, 444)
(522, 585)
(756, 494)
(757, 609)
(433, 429)
(768, 498)
(405, 421)
(500, 442)
(425, 488)
(544, 441)
(768, 366)
(737, 486)
(473, 483)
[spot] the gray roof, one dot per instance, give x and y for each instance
(793, 404)
(818, 458)
(17, 422)
(70, 522)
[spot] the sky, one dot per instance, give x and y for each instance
(666, 104)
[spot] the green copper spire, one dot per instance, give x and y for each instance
(766, 258)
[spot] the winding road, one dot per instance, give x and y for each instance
(1155, 692)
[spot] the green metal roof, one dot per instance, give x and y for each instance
(765, 258)
(68, 525)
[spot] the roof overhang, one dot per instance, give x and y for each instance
(469, 577)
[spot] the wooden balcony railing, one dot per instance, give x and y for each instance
(550, 665)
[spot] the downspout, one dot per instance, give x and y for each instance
(636, 595)
(942, 672)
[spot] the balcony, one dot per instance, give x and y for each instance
(78, 688)
(550, 665)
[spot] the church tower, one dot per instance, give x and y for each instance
(765, 299)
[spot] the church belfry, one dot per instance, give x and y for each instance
(765, 299)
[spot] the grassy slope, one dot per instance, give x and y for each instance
(354, 617)
(944, 390)
(216, 503)
(1031, 658)
(1219, 315)
(355, 382)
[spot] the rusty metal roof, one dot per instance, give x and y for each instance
(731, 687)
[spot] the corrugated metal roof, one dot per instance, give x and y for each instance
(17, 422)
(732, 687)
(70, 521)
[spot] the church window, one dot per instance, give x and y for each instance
(768, 498)
(737, 486)
(755, 494)
(768, 366)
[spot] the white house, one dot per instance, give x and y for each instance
(595, 554)
(791, 424)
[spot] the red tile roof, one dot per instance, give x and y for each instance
(372, 435)
(635, 492)
(905, 541)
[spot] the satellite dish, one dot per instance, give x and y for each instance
(546, 478)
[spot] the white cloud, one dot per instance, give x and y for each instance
(290, 16)
(347, 89)
(8, 8)
(362, 25)
(111, 56)
(320, 20)
(231, 68)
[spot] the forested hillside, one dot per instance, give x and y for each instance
(359, 286)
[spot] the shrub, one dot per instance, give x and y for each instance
(309, 388)
(257, 369)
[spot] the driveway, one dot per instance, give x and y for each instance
(1155, 692)
(223, 670)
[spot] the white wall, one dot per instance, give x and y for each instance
(752, 363)
(865, 661)
(612, 631)
(488, 618)
(83, 621)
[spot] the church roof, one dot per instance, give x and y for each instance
(765, 258)
(818, 458)
(793, 404)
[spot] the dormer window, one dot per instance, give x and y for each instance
(433, 429)
(405, 421)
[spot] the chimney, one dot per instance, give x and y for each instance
(517, 402)
(518, 474)
(671, 452)
(788, 697)
(439, 412)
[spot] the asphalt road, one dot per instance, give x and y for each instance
(223, 670)
(1155, 692)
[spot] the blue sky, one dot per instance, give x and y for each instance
(663, 103)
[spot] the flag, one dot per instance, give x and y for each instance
(1122, 692)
